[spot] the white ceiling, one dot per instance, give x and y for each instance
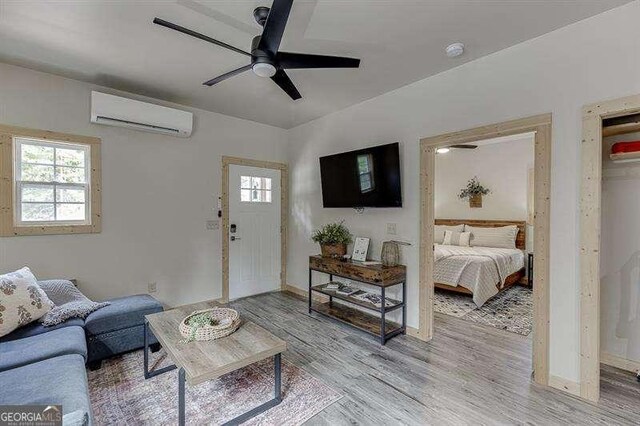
(113, 43)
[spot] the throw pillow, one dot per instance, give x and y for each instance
(438, 231)
(70, 302)
(499, 237)
(21, 300)
(452, 238)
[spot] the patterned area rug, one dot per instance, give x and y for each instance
(121, 396)
(510, 310)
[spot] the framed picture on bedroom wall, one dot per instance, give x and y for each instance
(360, 249)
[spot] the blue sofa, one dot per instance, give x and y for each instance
(46, 365)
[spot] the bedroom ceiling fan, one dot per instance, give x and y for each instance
(266, 59)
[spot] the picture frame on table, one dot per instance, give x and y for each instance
(360, 249)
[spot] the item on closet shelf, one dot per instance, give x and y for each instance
(390, 255)
(360, 249)
(624, 152)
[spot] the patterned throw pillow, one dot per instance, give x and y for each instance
(21, 300)
(452, 238)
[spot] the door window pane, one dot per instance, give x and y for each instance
(255, 189)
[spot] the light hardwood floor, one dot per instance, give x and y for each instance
(468, 374)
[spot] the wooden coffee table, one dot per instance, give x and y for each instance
(198, 362)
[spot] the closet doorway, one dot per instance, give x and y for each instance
(540, 126)
(602, 121)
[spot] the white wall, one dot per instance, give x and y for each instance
(501, 167)
(620, 255)
(158, 191)
(589, 61)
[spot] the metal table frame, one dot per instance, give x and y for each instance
(277, 394)
(383, 337)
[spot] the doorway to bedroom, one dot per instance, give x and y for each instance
(540, 127)
(483, 232)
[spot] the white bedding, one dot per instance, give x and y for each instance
(479, 269)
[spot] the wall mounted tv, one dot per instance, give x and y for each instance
(364, 178)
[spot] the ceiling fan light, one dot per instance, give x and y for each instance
(262, 69)
(443, 150)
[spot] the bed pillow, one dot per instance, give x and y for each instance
(21, 300)
(499, 237)
(452, 238)
(438, 231)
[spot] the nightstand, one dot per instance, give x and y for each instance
(530, 270)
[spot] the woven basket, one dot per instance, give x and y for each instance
(229, 322)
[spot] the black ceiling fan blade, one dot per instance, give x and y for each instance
(282, 79)
(192, 33)
(301, 60)
(225, 76)
(463, 146)
(275, 25)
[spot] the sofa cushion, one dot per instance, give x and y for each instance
(21, 300)
(36, 328)
(67, 340)
(60, 380)
(123, 312)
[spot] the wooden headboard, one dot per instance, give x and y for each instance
(521, 238)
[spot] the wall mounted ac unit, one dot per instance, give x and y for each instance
(113, 110)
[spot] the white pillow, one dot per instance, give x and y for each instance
(21, 300)
(499, 237)
(438, 231)
(452, 238)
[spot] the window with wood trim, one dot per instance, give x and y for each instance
(50, 182)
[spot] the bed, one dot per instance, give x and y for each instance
(481, 272)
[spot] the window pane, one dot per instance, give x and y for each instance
(70, 174)
(37, 212)
(245, 181)
(256, 183)
(37, 154)
(37, 173)
(37, 193)
(267, 183)
(245, 195)
(69, 195)
(267, 196)
(70, 157)
(70, 211)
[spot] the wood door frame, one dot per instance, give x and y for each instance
(541, 125)
(284, 209)
(590, 213)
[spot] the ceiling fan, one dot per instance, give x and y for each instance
(266, 59)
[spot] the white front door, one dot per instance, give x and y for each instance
(254, 230)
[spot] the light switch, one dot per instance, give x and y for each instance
(213, 225)
(391, 228)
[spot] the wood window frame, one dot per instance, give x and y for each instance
(541, 125)
(8, 226)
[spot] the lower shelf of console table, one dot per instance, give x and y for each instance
(369, 317)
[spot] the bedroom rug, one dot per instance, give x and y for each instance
(121, 396)
(510, 310)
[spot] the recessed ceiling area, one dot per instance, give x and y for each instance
(115, 44)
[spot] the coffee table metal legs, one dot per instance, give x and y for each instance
(148, 374)
(277, 397)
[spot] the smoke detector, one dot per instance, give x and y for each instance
(454, 50)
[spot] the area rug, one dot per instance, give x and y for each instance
(121, 396)
(510, 310)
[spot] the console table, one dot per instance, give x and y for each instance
(374, 275)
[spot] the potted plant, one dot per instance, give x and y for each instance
(333, 239)
(474, 192)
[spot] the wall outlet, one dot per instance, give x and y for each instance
(152, 287)
(391, 229)
(213, 225)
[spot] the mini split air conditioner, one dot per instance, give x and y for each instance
(113, 110)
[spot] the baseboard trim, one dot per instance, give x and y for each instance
(413, 332)
(619, 362)
(564, 385)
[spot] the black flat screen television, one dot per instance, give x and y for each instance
(364, 178)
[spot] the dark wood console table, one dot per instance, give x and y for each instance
(375, 275)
